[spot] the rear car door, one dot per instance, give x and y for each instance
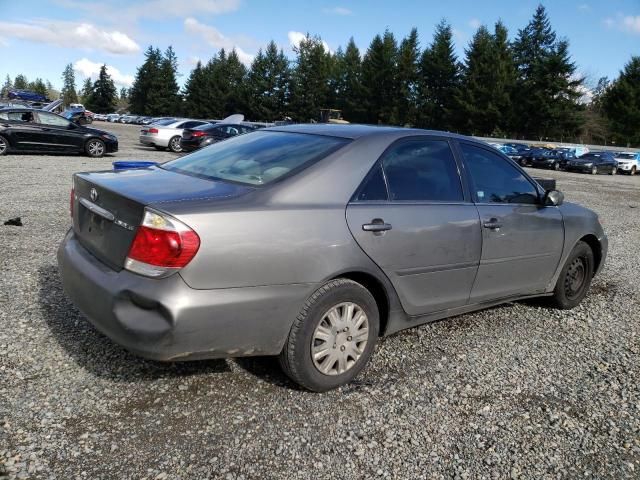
(23, 133)
(522, 239)
(58, 133)
(413, 218)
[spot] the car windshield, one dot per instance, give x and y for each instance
(628, 156)
(256, 158)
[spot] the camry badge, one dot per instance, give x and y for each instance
(94, 194)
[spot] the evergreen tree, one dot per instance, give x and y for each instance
(621, 103)
(439, 81)
(406, 97)
(310, 79)
(87, 90)
(166, 98)
(21, 83)
(547, 93)
(233, 75)
(124, 93)
(146, 96)
(349, 90)
(193, 93)
(69, 94)
(268, 79)
(38, 86)
(380, 79)
(104, 96)
(8, 85)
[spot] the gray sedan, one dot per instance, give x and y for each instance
(310, 242)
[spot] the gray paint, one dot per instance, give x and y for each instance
(264, 251)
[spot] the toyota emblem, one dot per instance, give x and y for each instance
(94, 194)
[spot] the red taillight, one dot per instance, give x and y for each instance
(162, 244)
(198, 133)
(152, 130)
(72, 197)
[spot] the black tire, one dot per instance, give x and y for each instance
(613, 171)
(174, 144)
(4, 145)
(296, 357)
(95, 148)
(575, 278)
(594, 170)
(556, 166)
(633, 170)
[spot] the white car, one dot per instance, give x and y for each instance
(628, 162)
(167, 133)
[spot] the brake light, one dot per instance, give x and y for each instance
(152, 130)
(161, 246)
(198, 133)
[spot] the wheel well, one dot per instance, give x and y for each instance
(596, 248)
(376, 288)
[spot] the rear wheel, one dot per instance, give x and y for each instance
(594, 170)
(613, 171)
(95, 148)
(633, 170)
(575, 277)
(556, 166)
(4, 145)
(174, 144)
(333, 337)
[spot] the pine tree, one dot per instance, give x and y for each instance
(267, 91)
(166, 90)
(310, 79)
(8, 85)
(621, 103)
(124, 93)
(20, 83)
(349, 89)
(439, 81)
(145, 97)
(104, 96)
(380, 79)
(87, 90)
(406, 97)
(38, 86)
(193, 93)
(69, 94)
(233, 76)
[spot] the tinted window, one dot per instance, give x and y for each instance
(191, 124)
(52, 119)
(257, 158)
(20, 116)
(422, 170)
(374, 187)
(495, 180)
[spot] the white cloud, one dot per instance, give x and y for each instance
(296, 37)
(71, 35)
(91, 70)
(475, 23)
(338, 11)
(626, 23)
(215, 38)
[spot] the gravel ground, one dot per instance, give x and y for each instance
(519, 391)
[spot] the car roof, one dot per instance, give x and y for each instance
(355, 131)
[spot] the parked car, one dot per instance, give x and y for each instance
(113, 117)
(204, 135)
(308, 242)
(526, 160)
(81, 117)
(594, 163)
(26, 130)
(554, 159)
(165, 134)
(628, 162)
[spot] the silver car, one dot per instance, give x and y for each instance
(312, 241)
(167, 133)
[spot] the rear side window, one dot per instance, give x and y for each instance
(257, 158)
(422, 170)
(374, 187)
(494, 179)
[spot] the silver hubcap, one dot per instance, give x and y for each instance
(96, 148)
(3, 145)
(175, 145)
(340, 339)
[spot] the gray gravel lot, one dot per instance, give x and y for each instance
(518, 391)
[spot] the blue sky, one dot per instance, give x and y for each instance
(39, 37)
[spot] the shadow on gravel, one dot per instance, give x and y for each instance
(97, 353)
(268, 370)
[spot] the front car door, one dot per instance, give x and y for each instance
(522, 239)
(22, 131)
(58, 133)
(413, 217)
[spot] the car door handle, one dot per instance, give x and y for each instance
(376, 225)
(492, 224)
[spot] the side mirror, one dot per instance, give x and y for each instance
(553, 198)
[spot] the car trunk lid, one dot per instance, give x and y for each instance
(109, 206)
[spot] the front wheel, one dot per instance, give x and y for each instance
(333, 336)
(575, 278)
(633, 170)
(174, 144)
(613, 171)
(4, 145)
(594, 170)
(95, 148)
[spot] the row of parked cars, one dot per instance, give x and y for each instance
(130, 119)
(573, 158)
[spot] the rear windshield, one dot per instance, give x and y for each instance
(256, 158)
(165, 122)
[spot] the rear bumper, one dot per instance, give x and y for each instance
(190, 145)
(167, 320)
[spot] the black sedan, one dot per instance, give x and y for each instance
(527, 157)
(199, 137)
(554, 159)
(36, 131)
(594, 163)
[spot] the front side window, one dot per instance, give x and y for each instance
(422, 170)
(257, 158)
(494, 180)
(52, 119)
